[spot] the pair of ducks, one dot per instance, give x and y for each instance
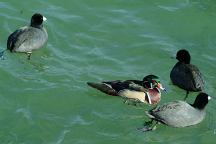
(176, 113)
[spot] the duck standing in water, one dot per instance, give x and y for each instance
(28, 38)
(178, 113)
(186, 75)
(145, 91)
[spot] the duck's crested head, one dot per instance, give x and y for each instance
(183, 56)
(151, 77)
(37, 20)
(152, 81)
(201, 101)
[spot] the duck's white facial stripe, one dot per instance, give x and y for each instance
(44, 18)
(209, 97)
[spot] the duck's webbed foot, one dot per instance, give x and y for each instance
(148, 126)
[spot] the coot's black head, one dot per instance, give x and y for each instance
(183, 56)
(37, 20)
(201, 101)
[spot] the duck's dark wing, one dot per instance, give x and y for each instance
(113, 87)
(136, 85)
(127, 84)
(106, 87)
(103, 88)
(14, 39)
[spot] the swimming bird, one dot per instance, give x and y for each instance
(178, 113)
(28, 38)
(145, 91)
(185, 75)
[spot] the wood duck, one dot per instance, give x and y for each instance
(145, 91)
(186, 75)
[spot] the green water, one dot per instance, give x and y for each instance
(46, 100)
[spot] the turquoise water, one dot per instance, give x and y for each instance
(46, 100)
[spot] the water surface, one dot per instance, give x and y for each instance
(46, 100)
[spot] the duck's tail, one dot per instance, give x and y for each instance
(103, 87)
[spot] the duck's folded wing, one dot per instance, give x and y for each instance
(136, 87)
(103, 87)
(113, 87)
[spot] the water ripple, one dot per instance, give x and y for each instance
(79, 120)
(62, 136)
(175, 6)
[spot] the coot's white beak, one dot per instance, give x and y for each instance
(209, 97)
(44, 18)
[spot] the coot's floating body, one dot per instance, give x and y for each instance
(180, 113)
(28, 38)
(186, 75)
